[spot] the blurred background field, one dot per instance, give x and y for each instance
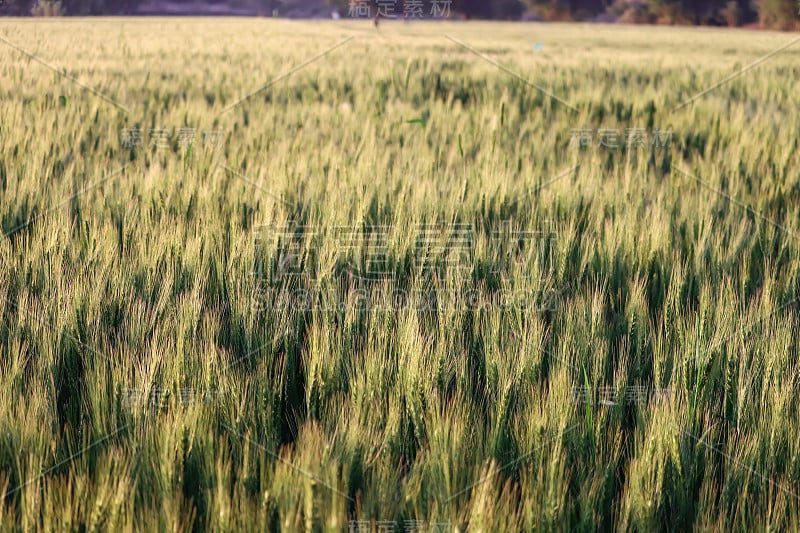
(160, 373)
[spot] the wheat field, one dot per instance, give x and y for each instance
(314, 276)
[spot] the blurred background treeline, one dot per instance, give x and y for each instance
(773, 14)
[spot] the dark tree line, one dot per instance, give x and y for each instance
(781, 14)
(772, 13)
